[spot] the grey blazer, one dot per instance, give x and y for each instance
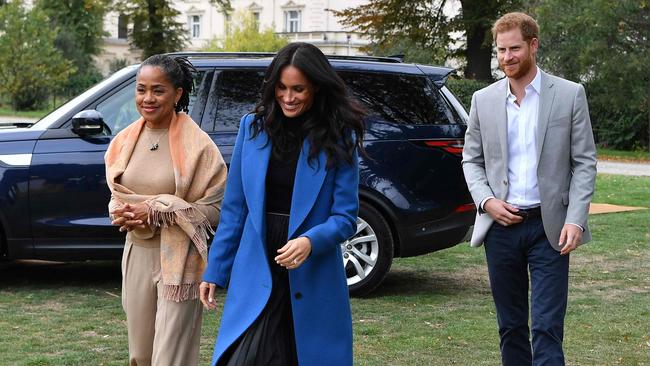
(566, 154)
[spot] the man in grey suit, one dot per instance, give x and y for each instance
(530, 165)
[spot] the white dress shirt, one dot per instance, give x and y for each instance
(523, 191)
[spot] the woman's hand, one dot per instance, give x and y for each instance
(206, 294)
(130, 216)
(294, 253)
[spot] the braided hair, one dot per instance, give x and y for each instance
(179, 71)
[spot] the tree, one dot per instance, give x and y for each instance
(80, 36)
(156, 28)
(31, 67)
(244, 36)
(409, 50)
(425, 24)
(609, 57)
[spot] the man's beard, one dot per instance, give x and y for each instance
(523, 68)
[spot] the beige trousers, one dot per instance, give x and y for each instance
(161, 332)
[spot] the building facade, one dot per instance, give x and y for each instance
(299, 20)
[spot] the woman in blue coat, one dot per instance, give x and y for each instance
(291, 198)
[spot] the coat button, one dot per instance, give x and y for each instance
(505, 182)
(298, 295)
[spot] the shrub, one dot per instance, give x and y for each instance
(465, 88)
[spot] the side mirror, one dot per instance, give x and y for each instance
(89, 122)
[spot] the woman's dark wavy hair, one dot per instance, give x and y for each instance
(334, 122)
(179, 71)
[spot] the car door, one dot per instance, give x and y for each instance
(68, 192)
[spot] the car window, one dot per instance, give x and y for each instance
(119, 109)
(237, 92)
(398, 98)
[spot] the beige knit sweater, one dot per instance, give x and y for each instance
(151, 172)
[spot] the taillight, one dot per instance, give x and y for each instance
(466, 207)
(451, 146)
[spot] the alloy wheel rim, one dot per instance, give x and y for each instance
(360, 253)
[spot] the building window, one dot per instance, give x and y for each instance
(256, 19)
(195, 26)
(227, 23)
(122, 26)
(292, 21)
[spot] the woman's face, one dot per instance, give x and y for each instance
(294, 93)
(155, 96)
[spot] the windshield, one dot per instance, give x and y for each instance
(48, 120)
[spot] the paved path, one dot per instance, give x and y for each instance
(11, 119)
(623, 168)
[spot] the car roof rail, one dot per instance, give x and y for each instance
(390, 59)
(223, 54)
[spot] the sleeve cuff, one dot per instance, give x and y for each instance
(482, 204)
(580, 226)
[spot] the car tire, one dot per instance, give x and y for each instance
(368, 254)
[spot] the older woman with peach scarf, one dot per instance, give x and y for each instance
(166, 178)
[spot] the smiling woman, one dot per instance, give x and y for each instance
(294, 92)
(166, 178)
(156, 97)
(292, 198)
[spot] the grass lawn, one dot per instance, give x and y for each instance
(624, 155)
(431, 310)
(6, 111)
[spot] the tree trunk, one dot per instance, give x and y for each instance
(156, 35)
(478, 54)
(478, 16)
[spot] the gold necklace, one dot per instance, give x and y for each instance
(153, 146)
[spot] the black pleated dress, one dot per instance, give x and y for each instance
(270, 340)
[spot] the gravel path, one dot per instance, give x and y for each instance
(623, 168)
(11, 119)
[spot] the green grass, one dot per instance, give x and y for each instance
(5, 111)
(624, 155)
(431, 310)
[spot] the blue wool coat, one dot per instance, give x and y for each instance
(324, 208)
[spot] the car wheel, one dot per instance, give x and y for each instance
(367, 256)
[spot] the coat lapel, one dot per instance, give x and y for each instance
(256, 162)
(307, 184)
(546, 98)
(498, 103)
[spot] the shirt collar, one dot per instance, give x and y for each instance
(536, 84)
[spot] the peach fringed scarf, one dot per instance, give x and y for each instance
(200, 175)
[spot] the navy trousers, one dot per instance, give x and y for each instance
(513, 252)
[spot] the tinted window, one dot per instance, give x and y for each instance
(238, 91)
(119, 109)
(397, 98)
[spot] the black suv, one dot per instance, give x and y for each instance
(53, 194)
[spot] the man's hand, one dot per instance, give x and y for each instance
(206, 294)
(502, 212)
(570, 238)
